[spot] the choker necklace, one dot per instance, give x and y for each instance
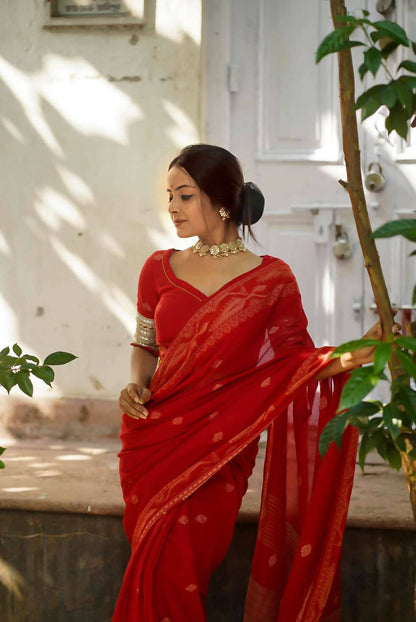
(219, 250)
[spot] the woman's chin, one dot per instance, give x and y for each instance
(183, 234)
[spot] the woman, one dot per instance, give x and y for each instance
(235, 358)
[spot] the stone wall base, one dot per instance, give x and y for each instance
(69, 567)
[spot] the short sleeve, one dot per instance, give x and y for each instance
(147, 299)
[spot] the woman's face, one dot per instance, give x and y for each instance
(189, 207)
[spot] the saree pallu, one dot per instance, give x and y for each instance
(243, 363)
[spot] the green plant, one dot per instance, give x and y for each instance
(389, 428)
(381, 40)
(17, 368)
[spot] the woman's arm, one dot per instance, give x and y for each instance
(345, 362)
(350, 360)
(142, 366)
(136, 393)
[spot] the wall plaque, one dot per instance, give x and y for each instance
(64, 13)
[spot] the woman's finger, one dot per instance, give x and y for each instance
(133, 392)
(134, 413)
(130, 407)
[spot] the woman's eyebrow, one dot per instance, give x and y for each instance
(179, 187)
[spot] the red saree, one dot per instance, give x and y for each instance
(242, 363)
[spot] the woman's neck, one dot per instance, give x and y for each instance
(226, 234)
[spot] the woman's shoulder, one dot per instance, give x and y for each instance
(153, 264)
(279, 267)
(156, 257)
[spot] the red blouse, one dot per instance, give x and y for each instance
(170, 301)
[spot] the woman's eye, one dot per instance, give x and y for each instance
(186, 197)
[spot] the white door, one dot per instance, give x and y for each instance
(267, 101)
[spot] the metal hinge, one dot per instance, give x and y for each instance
(233, 78)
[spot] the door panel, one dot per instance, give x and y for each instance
(267, 101)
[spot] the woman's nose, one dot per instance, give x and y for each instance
(172, 207)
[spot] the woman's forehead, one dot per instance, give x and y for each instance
(177, 176)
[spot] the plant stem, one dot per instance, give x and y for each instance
(354, 185)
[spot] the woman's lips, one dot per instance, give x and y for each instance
(178, 222)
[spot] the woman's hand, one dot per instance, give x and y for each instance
(366, 355)
(350, 360)
(132, 398)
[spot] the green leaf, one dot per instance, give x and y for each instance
(7, 379)
(360, 383)
(389, 48)
(45, 373)
(368, 442)
(376, 36)
(414, 294)
(393, 457)
(409, 65)
(356, 344)
(326, 438)
(17, 349)
(2, 465)
(407, 363)
(372, 59)
(340, 422)
(382, 446)
(405, 94)
(397, 120)
(336, 41)
(406, 397)
(400, 443)
(392, 30)
(362, 70)
(392, 419)
(4, 352)
(24, 382)
(370, 100)
(30, 357)
(413, 44)
(406, 342)
(412, 453)
(59, 358)
(2, 450)
(405, 227)
(365, 424)
(365, 12)
(410, 80)
(382, 354)
(365, 409)
(389, 94)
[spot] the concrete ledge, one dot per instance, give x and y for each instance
(82, 477)
(59, 418)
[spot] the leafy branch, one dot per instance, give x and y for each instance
(383, 38)
(17, 368)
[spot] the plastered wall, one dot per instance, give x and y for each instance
(89, 119)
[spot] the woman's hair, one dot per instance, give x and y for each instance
(218, 173)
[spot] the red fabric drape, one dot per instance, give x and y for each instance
(244, 362)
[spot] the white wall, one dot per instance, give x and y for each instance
(89, 120)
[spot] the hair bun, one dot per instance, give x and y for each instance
(251, 204)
